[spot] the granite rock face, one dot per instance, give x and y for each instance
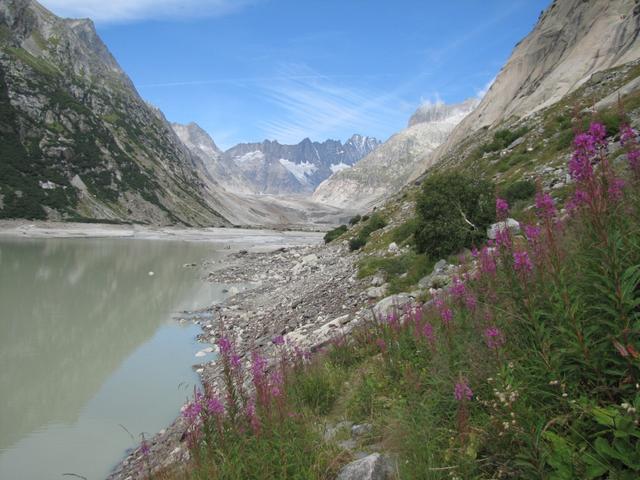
(395, 163)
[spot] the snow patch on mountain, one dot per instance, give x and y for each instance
(255, 156)
(299, 170)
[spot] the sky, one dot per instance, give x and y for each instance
(249, 70)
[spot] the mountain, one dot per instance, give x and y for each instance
(225, 172)
(393, 164)
(76, 139)
(572, 40)
(272, 168)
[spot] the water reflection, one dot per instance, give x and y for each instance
(73, 311)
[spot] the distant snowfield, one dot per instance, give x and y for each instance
(338, 167)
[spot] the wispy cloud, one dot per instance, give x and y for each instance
(311, 105)
(133, 10)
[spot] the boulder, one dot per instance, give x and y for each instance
(393, 248)
(391, 304)
(361, 429)
(371, 467)
(510, 223)
(311, 260)
(376, 292)
(377, 280)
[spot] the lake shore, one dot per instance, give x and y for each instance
(258, 239)
(309, 294)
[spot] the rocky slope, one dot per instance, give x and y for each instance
(394, 163)
(572, 40)
(272, 168)
(221, 168)
(76, 139)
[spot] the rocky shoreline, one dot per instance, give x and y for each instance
(307, 294)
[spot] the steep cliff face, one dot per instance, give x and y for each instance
(76, 139)
(572, 40)
(396, 162)
(273, 168)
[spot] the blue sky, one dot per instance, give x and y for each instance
(246, 70)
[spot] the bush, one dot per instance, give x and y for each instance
(355, 220)
(454, 211)
(356, 243)
(502, 139)
(522, 190)
(331, 235)
(376, 222)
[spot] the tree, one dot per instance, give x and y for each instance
(454, 211)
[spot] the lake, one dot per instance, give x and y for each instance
(90, 352)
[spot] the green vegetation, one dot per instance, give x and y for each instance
(373, 223)
(502, 139)
(527, 368)
(331, 235)
(521, 190)
(454, 211)
(355, 220)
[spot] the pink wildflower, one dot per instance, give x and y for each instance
(615, 188)
(462, 391)
(458, 288)
(487, 262)
(494, 337)
(215, 406)
(278, 340)
(427, 331)
(382, 345)
(545, 205)
(447, 315)
(522, 262)
(532, 232)
(502, 208)
(471, 302)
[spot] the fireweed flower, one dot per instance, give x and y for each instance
(471, 302)
(599, 133)
(458, 289)
(278, 340)
(276, 382)
(462, 391)
(494, 338)
(446, 315)
(215, 406)
(225, 346)
(615, 188)
(487, 262)
(532, 232)
(545, 205)
(522, 262)
(191, 411)
(503, 238)
(502, 208)
(382, 345)
(427, 331)
(474, 252)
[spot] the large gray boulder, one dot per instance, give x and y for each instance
(391, 304)
(509, 223)
(371, 467)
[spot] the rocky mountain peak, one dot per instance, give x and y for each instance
(442, 112)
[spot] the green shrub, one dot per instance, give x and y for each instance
(355, 220)
(356, 243)
(502, 139)
(331, 235)
(454, 211)
(376, 222)
(521, 190)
